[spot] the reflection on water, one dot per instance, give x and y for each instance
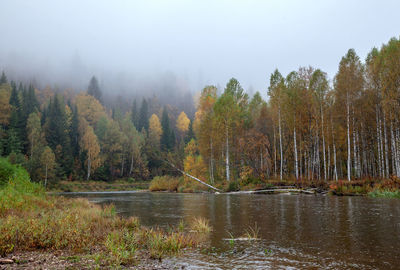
(297, 231)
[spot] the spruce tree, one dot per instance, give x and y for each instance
(143, 121)
(3, 78)
(190, 134)
(13, 142)
(94, 89)
(57, 134)
(134, 114)
(168, 136)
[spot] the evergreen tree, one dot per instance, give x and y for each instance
(13, 142)
(94, 89)
(57, 134)
(74, 133)
(190, 134)
(168, 135)
(143, 121)
(134, 114)
(3, 78)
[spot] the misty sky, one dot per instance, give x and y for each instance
(202, 42)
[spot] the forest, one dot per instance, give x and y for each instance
(311, 128)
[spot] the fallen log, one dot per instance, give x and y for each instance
(6, 261)
(195, 178)
(272, 190)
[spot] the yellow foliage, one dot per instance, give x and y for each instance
(89, 143)
(155, 129)
(89, 108)
(182, 123)
(193, 163)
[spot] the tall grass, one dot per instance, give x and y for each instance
(200, 225)
(164, 183)
(30, 219)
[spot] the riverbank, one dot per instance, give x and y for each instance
(87, 186)
(41, 230)
(387, 188)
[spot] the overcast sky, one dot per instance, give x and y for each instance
(204, 41)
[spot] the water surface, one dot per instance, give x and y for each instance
(296, 231)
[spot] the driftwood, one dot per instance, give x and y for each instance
(195, 178)
(272, 190)
(6, 261)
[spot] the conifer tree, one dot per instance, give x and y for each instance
(134, 114)
(3, 78)
(94, 89)
(143, 121)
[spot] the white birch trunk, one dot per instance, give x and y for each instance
(227, 154)
(354, 148)
(131, 166)
(45, 179)
(386, 147)
(211, 162)
(280, 140)
(394, 152)
(348, 141)
(274, 153)
(323, 143)
(378, 142)
(88, 168)
(295, 153)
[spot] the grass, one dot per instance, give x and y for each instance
(252, 233)
(200, 225)
(384, 194)
(82, 186)
(164, 183)
(32, 220)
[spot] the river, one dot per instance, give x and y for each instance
(296, 231)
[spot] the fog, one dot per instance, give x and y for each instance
(157, 47)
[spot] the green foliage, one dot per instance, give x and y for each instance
(233, 186)
(168, 135)
(7, 170)
(16, 188)
(384, 194)
(143, 121)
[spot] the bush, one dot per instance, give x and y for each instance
(7, 170)
(164, 183)
(233, 186)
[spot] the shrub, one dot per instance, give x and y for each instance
(164, 183)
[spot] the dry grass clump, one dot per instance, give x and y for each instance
(252, 232)
(200, 225)
(164, 183)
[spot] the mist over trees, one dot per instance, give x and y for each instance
(308, 129)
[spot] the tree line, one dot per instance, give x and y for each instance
(310, 128)
(61, 135)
